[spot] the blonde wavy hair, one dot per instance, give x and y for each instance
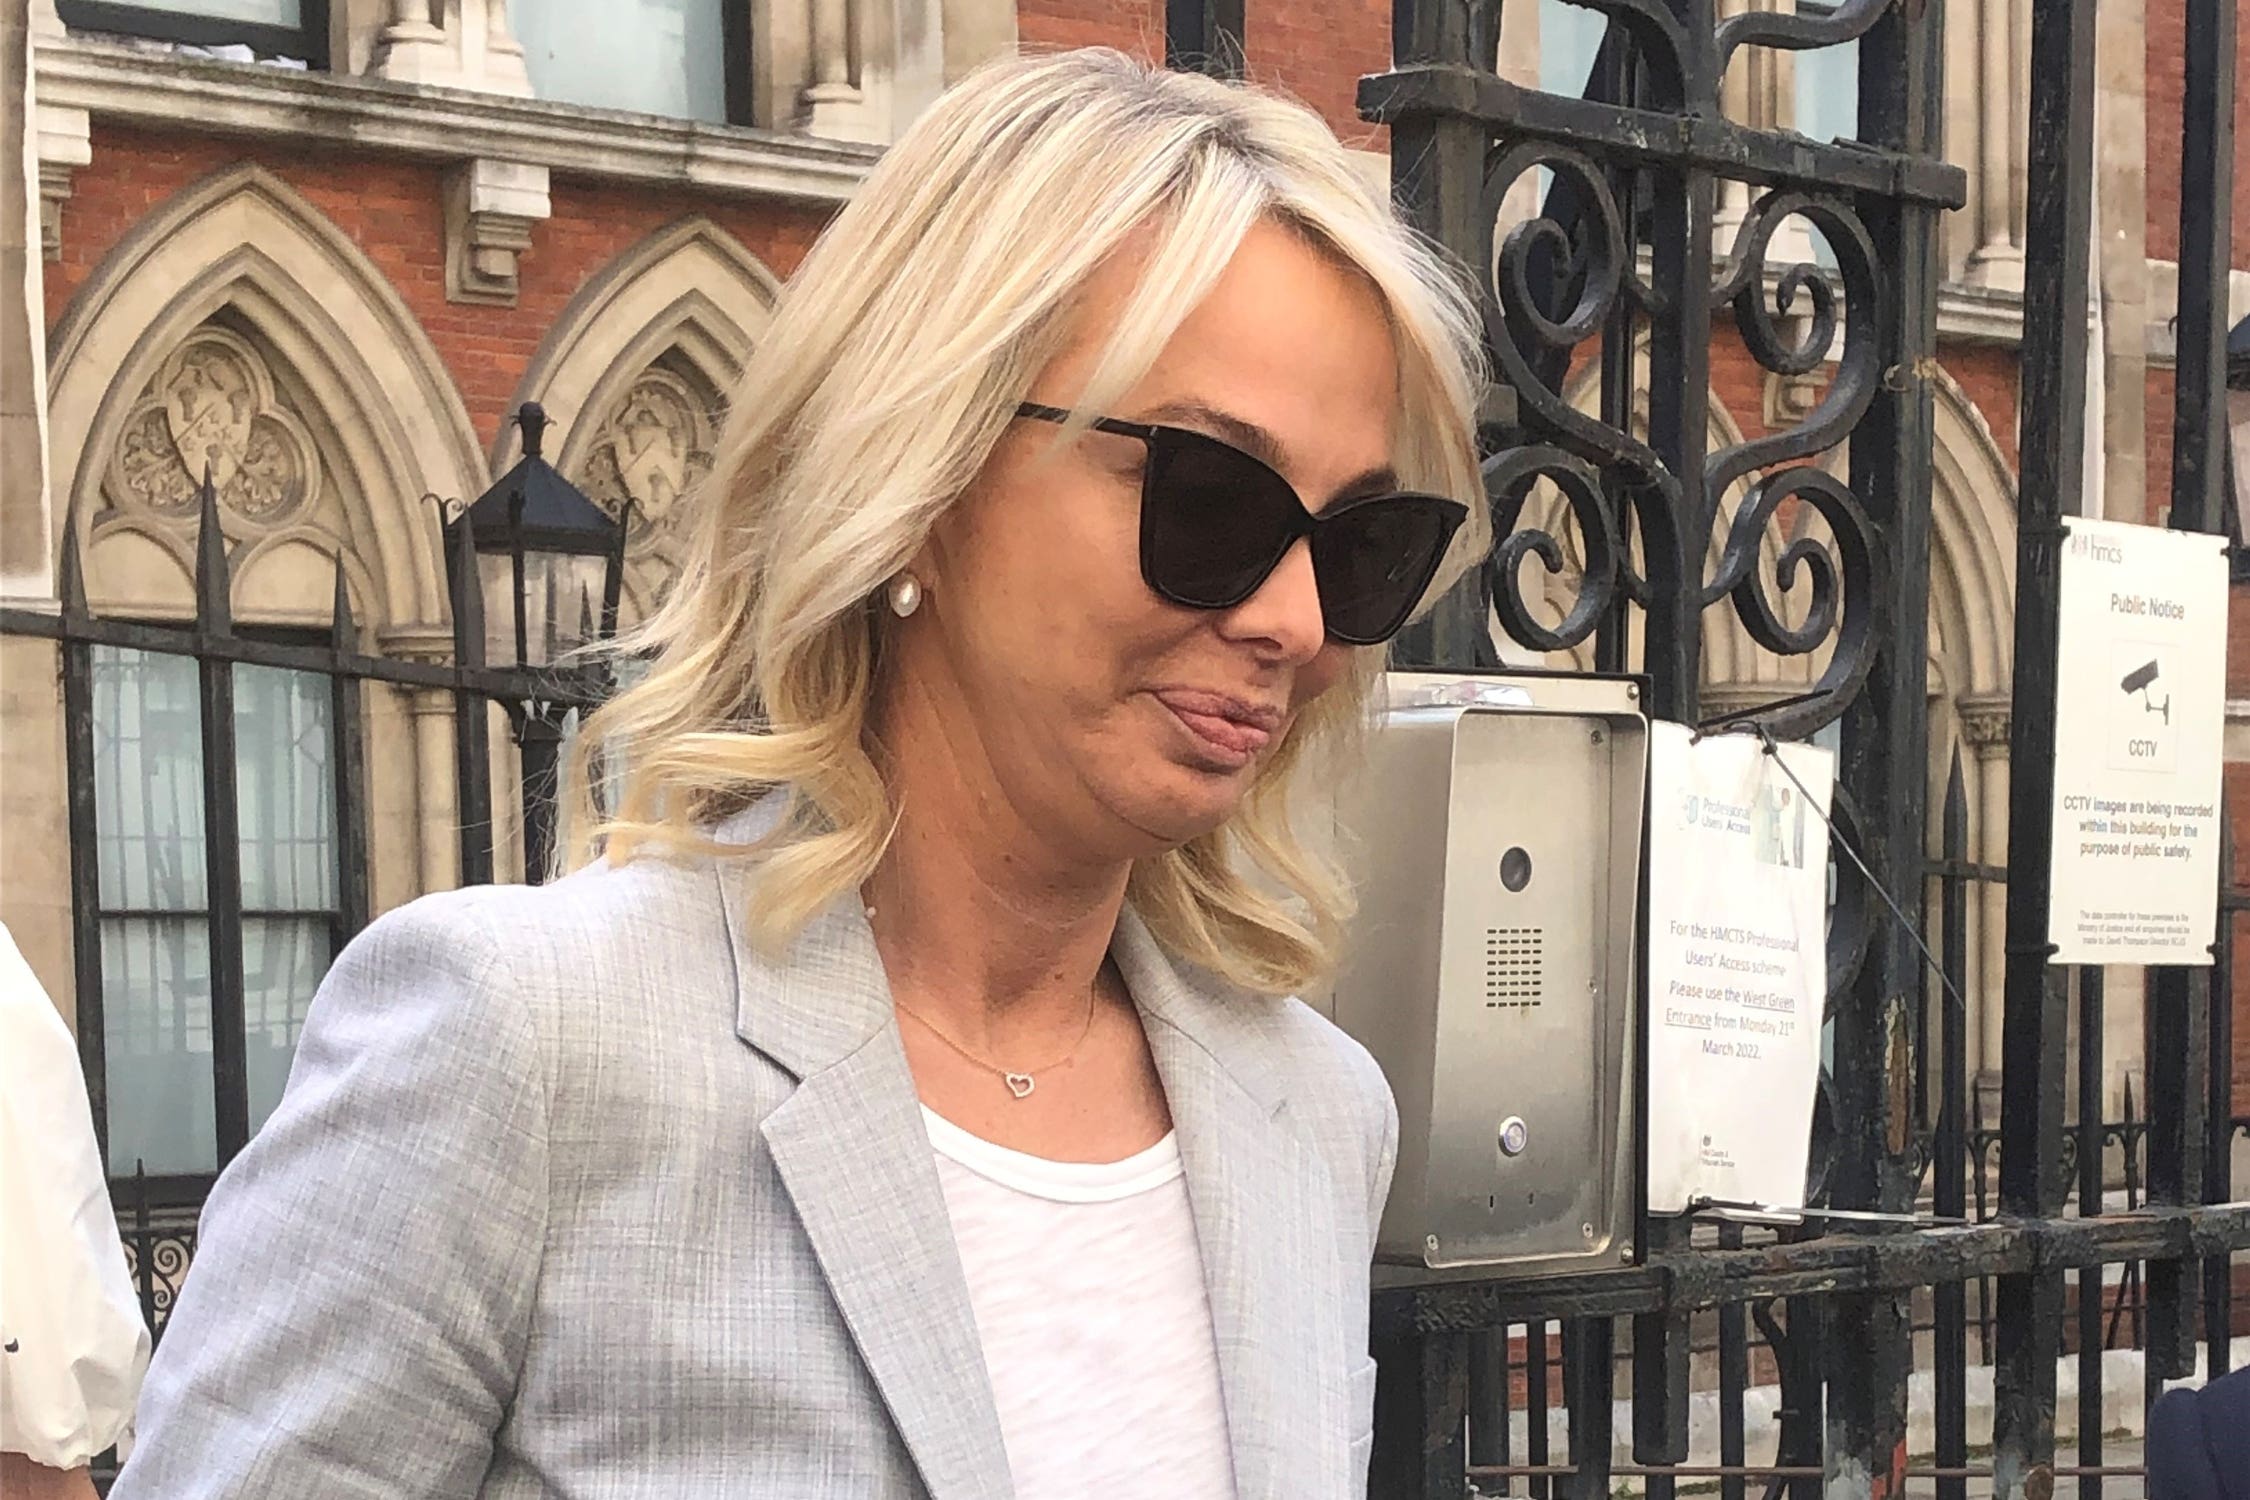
(895, 359)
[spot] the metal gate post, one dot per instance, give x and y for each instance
(2180, 999)
(2053, 406)
(1884, 766)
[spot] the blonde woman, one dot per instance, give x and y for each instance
(905, 1103)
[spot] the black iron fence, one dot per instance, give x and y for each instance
(1533, 1408)
(1616, 271)
(534, 704)
(157, 1211)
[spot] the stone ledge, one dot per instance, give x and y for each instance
(113, 82)
(1979, 315)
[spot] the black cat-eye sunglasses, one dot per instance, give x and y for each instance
(1216, 522)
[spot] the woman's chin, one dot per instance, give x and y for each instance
(1184, 803)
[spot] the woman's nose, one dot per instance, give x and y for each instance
(1283, 617)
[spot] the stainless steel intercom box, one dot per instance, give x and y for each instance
(1495, 836)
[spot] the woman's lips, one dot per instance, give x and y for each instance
(1231, 731)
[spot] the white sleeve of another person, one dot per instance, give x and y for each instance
(72, 1344)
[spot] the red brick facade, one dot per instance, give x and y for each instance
(1135, 26)
(2165, 28)
(1318, 50)
(392, 210)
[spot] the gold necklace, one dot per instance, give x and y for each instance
(1019, 1084)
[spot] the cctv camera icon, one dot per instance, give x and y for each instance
(2137, 681)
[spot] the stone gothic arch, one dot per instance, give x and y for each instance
(638, 371)
(236, 327)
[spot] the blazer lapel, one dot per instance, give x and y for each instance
(1264, 1216)
(852, 1151)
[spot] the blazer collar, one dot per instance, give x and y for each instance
(852, 1150)
(853, 1154)
(1264, 1211)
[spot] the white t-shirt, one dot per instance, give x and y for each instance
(1088, 1292)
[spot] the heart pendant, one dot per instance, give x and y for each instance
(1019, 1084)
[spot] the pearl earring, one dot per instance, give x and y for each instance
(906, 595)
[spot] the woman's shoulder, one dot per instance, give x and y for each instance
(1337, 1091)
(1320, 1058)
(650, 886)
(645, 917)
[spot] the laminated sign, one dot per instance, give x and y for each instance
(1737, 966)
(2140, 722)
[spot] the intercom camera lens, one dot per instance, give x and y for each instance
(1515, 869)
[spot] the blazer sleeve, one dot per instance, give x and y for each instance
(357, 1309)
(1384, 1157)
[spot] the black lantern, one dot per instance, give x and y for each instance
(535, 569)
(2237, 497)
(549, 560)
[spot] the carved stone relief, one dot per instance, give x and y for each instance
(654, 447)
(213, 407)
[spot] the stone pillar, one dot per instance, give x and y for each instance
(2002, 125)
(468, 46)
(26, 518)
(1733, 204)
(833, 104)
(1518, 63)
(1759, 91)
(2121, 270)
(64, 135)
(1985, 724)
(437, 803)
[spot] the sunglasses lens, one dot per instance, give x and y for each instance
(1214, 521)
(1373, 561)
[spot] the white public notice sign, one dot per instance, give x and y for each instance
(2140, 725)
(1737, 966)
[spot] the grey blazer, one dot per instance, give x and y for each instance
(575, 1195)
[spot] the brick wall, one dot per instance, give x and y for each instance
(1317, 51)
(1312, 50)
(1991, 380)
(392, 210)
(2165, 28)
(1134, 26)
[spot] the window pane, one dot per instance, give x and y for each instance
(1828, 108)
(148, 781)
(1828, 92)
(285, 789)
(264, 12)
(156, 1028)
(1569, 36)
(283, 959)
(659, 57)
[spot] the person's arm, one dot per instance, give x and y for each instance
(72, 1343)
(357, 1310)
(1386, 1159)
(21, 1479)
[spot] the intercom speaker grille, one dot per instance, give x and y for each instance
(1514, 967)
